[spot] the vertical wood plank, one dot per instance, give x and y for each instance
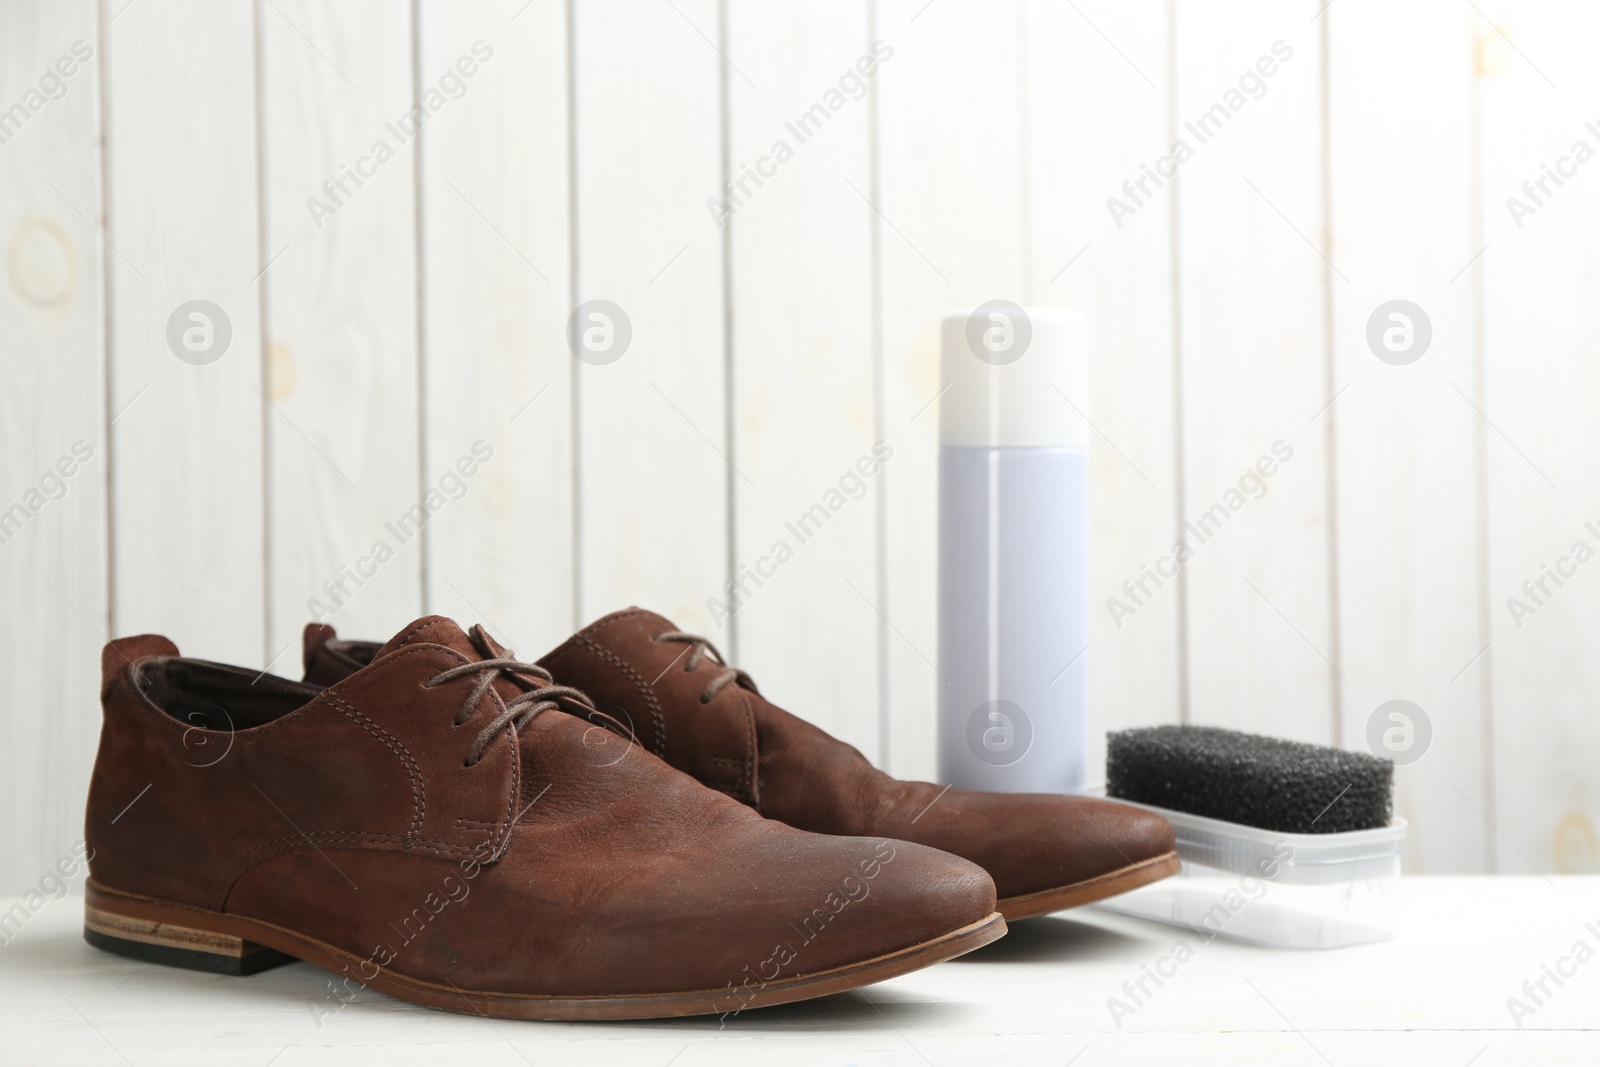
(1402, 98)
(951, 231)
(187, 437)
(53, 455)
(1099, 108)
(802, 363)
(341, 317)
(652, 490)
(1540, 277)
(496, 285)
(1254, 343)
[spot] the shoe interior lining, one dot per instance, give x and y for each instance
(216, 696)
(362, 652)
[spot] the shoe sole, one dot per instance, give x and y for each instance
(1100, 887)
(180, 935)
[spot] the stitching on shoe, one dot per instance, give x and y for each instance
(502, 833)
(505, 828)
(413, 629)
(637, 679)
(616, 617)
(419, 796)
(738, 786)
(753, 755)
(254, 733)
(222, 885)
(411, 841)
(504, 824)
(748, 776)
(331, 693)
(371, 840)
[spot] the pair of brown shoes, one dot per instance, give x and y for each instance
(439, 821)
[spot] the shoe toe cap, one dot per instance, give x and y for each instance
(1034, 842)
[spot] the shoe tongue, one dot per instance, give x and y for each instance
(433, 630)
(496, 649)
(438, 630)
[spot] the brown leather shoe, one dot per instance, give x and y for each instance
(1044, 852)
(421, 828)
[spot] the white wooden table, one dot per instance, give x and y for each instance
(1437, 994)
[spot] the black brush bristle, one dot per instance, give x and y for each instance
(1267, 782)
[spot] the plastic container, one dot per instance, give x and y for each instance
(1013, 550)
(1276, 889)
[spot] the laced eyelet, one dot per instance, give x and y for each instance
(703, 650)
(431, 682)
(515, 712)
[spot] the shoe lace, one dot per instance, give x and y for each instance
(701, 649)
(520, 709)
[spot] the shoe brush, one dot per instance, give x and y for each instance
(1265, 782)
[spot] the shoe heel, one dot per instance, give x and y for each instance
(156, 941)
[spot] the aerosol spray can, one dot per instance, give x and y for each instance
(1013, 550)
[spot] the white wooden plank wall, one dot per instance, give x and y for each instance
(1252, 297)
(494, 186)
(1411, 590)
(52, 397)
(1541, 383)
(388, 314)
(800, 259)
(652, 498)
(182, 212)
(340, 254)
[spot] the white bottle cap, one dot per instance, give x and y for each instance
(1014, 377)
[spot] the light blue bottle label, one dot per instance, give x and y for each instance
(1013, 618)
